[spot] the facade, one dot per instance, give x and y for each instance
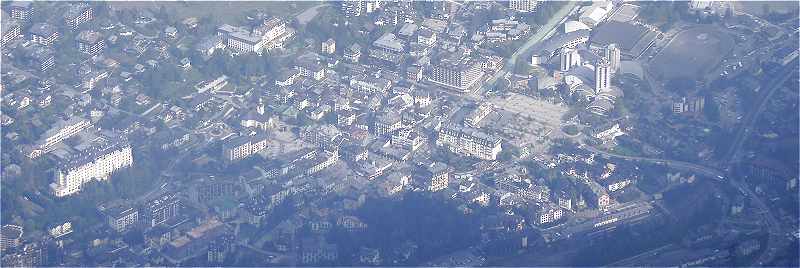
(271, 34)
(370, 84)
(569, 58)
(459, 75)
(546, 213)
(242, 147)
(40, 58)
(12, 30)
(91, 42)
(387, 123)
(353, 53)
(10, 237)
(523, 5)
(614, 55)
(21, 10)
(161, 209)
(440, 177)
(329, 46)
(77, 15)
(122, 218)
(97, 162)
(44, 34)
(30, 255)
(469, 141)
(352, 8)
(602, 75)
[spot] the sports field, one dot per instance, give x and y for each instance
(692, 53)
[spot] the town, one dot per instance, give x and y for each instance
(399, 133)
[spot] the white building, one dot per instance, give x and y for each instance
(523, 5)
(602, 75)
(569, 58)
(95, 163)
(613, 54)
(470, 142)
(62, 130)
(242, 147)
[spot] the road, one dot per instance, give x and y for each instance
(711, 172)
(544, 32)
(774, 226)
(750, 119)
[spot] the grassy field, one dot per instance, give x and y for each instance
(692, 53)
(225, 12)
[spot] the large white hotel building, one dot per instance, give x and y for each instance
(95, 163)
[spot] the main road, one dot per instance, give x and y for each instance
(544, 32)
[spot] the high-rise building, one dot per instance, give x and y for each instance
(602, 75)
(460, 75)
(352, 8)
(613, 54)
(523, 5)
(569, 58)
(78, 14)
(95, 163)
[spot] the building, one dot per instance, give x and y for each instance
(596, 195)
(244, 146)
(317, 251)
(10, 237)
(240, 39)
(476, 116)
(11, 29)
(97, 162)
(44, 34)
(631, 39)
(694, 105)
(39, 57)
(523, 5)
(353, 53)
(545, 213)
(427, 37)
(469, 141)
(602, 75)
(329, 46)
(271, 34)
(30, 255)
(439, 177)
(21, 10)
(569, 57)
(387, 123)
(161, 209)
(121, 218)
(370, 84)
(91, 42)
(352, 8)
(78, 14)
(460, 75)
(613, 54)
